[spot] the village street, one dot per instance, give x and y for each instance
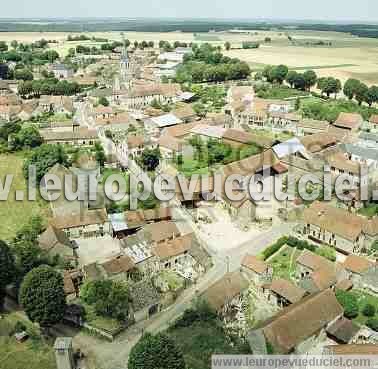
(115, 355)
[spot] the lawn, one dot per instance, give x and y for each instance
(191, 166)
(282, 136)
(363, 299)
(107, 324)
(284, 263)
(32, 354)
(280, 92)
(14, 213)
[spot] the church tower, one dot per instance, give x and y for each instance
(126, 72)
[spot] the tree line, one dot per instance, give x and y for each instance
(353, 88)
(207, 64)
(48, 86)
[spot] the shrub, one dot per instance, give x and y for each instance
(269, 251)
(369, 310)
(349, 302)
(373, 324)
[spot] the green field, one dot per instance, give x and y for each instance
(284, 263)
(363, 299)
(32, 354)
(14, 214)
(206, 37)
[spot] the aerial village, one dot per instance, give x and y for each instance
(278, 276)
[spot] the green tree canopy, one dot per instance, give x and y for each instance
(42, 296)
(350, 88)
(152, 352)
(109, 298)
(150, 159)
(349, 302)
(7, 268)
(310, 78)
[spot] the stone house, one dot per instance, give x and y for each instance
(226, 293)
(118, 268)
(357, 267)
(350, 122)
(246, 210)
(297, 328)
(171, 253)
(284, 121)
(368, 140)
(282, 293)
(258, 272)
(77, 137)
(55, 104)
(239, 138)
(90, 223)
(141, 96)
(56, 243)
(170, 147)
(306, 127)
(185, 113)
(361, 155)
(316, 273)
(72, 280)
(325, 224)
(61, 71)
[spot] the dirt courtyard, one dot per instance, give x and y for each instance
(222, 234)
(97, 249)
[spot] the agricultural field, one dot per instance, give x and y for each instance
(329, 53)
(15, 213)
(353, 60)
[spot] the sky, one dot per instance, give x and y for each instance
(341, 10)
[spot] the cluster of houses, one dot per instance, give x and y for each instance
(307, 317)
(142, 247)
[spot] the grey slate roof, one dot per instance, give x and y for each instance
(362, 152)
(368, 136)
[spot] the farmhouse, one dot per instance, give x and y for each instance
(55, 242)
(257, 271)
(282, 292)
(357, 266)
(349, 121)
(77, 137)
(226, 293)
(299, 326)
(335, 227)
(92, 223)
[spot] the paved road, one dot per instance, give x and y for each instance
(115, 355)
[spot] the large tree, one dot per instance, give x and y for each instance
(7, 269)
(157, 351)
(150, 159)
(349, 302)
(279, 73)
(290, 78)
(361, 93)
(371, 95)
(109, 298)
(329, 85)
(310, 79)
(42, 296)
(44, 158)
(350, 88)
